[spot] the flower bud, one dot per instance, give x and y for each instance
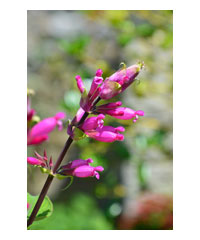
(80, 84)
(119, 81)
(106, 134)
(80, 168)
(40, 131)
(35, 161)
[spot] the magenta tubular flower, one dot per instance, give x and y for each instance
(119, 81)
(41, 161)
(80, 168)
(87, 171)
(35, 161)
(109, 106)
(125, 113)
(76, 119)
(87, 100)
(93, 122)
(106, 107)
(76, 163)
(96, 82)
(79, 115)
(89, 124)
(106, 134)
(80, 84)
(40, 131)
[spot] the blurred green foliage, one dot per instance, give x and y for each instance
(80, 213)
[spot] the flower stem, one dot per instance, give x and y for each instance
(50, 177)
(56, 166)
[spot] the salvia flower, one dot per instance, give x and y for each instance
(120, 112)
(119, 81)
(106, 134)
(80, 84)
(109, 88)
(93, 127)
(80, 168)
(40, 131)
(75, 121)
(87, 100)
(41, 161)
(76, 163)
(93, 123)
(90, 124)
(35, 161)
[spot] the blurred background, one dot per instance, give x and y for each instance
(135, 190)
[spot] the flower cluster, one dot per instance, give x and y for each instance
(92, 127)
(40, 161)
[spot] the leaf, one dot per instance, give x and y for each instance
(45, 210)
(45, 170)
(60, 177)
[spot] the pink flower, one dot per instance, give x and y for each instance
(35, 161)
(79, 115)
(40, 161)
(93, 123)
(96, 82)
(93, 128)
(106, 134)
(76, 163)
(115, 111)
(88, 99)
(124, 113)
(112, 86)
(87, 171)
(80, 168)
(80, 84)
(106, 107)
(119, 81)
(40, 131)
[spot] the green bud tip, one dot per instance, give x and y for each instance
(122, 66)
(140, 65)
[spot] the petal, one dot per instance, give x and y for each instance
(80, 84)
(99, 168)
(37, 140)
(35, 161)
(60, 115)
(44, 127)
(96, 174)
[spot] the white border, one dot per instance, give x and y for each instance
(186, 118)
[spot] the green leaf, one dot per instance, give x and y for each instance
(45, 210)
(45, 170)
(60, 177)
